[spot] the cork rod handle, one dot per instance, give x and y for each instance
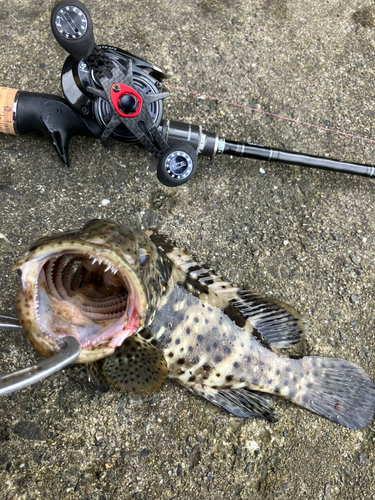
(7, 99)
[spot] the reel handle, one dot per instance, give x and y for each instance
(72, 27)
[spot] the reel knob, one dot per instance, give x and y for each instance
(128, 104)
(72, 27)
(177, 165)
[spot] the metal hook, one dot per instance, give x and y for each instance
(10, 382)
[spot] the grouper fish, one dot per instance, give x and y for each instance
(143, 310)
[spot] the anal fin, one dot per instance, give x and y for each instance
(239, 402)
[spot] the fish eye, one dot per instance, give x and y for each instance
(144, 257)
(90, 223)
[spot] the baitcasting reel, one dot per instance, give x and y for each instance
(110, 92)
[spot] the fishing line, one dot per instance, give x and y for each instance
(294, 120)
(114, 93)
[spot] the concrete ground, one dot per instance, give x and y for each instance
(303, 236)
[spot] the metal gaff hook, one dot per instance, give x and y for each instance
(14, 381)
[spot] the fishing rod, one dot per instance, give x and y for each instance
(109, 92)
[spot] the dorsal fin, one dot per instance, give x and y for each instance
(271, 321)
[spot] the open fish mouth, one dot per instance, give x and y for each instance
(85, 295)
(79, 292)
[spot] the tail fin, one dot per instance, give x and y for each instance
(336, 389)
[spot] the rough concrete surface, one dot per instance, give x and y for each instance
(303, 236)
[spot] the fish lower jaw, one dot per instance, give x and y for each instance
(64, 319)
(47, 342)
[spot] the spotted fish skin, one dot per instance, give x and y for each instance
(202, 345)
(170, 315)
(220, 341)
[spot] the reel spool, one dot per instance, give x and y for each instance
(77, 78)
(121, 92)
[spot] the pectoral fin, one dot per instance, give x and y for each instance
(239, 402)
(136, 366)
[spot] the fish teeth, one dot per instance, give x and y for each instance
(96, 259)
(111, 268)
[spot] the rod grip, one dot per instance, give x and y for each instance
(7, 100)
